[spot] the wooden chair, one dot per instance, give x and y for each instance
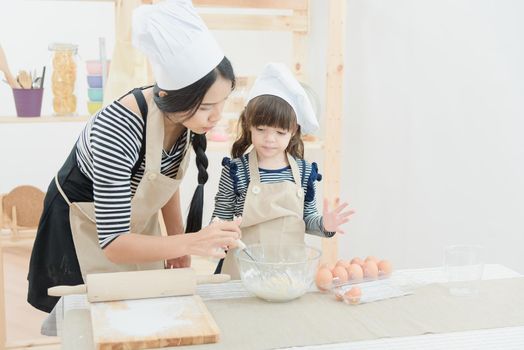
(20, 212)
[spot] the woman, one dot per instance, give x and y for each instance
(100, 211)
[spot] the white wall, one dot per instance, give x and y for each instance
(431, 155)
(433, 146)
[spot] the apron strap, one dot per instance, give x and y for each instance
(254, 174)
(62, 191)
(69, 202)
(294, 170)
(142, 104)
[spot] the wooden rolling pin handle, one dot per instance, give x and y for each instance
(60, 291)
(203, 279)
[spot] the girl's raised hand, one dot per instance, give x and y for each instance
(334, 218)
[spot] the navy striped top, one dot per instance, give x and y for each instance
(234, 181)
(107, 150)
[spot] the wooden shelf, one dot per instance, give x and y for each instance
(211, 145)
(226, 145)
(42, 119)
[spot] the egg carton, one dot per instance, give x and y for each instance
(372, 290)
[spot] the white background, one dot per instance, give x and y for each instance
(433, 120)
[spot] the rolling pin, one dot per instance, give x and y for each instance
(138, 284)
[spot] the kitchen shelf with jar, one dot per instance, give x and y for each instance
(42, 119)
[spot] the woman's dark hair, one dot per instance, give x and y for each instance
(268, 110)
(186, 101)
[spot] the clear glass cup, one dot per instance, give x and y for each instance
(464, 268)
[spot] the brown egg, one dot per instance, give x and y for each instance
(341, 273)
(344, 263)
(353, 295)
(370, 270)
(339, 296)
(384, 268)
(324, 278)
(329, 266)
(355, 272)
(372, 258)
(357, 260)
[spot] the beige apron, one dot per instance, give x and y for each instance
(153, 192)
(273, 212)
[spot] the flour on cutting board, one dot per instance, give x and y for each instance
(145, 317)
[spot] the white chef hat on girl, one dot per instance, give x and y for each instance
(276, 79)
(176, 41)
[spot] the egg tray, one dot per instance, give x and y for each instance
(335, 284)
(371, 290)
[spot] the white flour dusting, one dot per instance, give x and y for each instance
(145, 317)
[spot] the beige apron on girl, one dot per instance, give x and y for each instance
(153, 192)
(273, 212)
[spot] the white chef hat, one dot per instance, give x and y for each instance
(276, 79)
(176, 41)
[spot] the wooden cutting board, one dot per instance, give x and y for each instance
(152, 323)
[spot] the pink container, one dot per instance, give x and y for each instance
(94, 67)
(28, 102)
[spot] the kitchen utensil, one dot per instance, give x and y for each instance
(24, 79)
(278, 272)
(4, 67)
(42, 78)
(138, 284)
(103, 60)
(242, 246)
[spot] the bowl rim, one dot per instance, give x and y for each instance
(317, 254)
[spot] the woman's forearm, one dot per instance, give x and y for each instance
(133, 248)
(172, 214)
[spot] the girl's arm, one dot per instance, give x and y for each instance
(225, 197)
(328, 224)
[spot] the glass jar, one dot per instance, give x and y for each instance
(64, 77)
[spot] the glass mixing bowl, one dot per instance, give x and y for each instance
(278, 272)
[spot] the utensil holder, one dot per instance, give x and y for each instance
(28, 102)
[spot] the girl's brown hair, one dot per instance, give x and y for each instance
(268, 110)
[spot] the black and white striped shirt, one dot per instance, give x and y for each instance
(234, 181)
(107, 150)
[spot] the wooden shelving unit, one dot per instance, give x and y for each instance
(42, 119)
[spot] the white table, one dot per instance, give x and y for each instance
(488, 339)
(498, 338)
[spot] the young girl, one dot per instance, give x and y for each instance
(272, 187)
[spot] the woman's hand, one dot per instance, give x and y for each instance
(214, 239)
(182, 261)
(334, 218)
